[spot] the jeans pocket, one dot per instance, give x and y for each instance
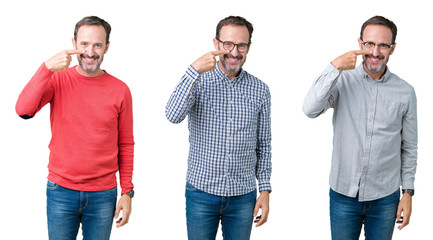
(190, 187)
(51, 185)
(111, 189)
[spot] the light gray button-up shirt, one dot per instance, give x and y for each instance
(375, 131)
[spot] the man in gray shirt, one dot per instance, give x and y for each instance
(375, 136)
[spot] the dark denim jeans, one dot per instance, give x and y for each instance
(67, 208)
(348, 215)
(204, 211)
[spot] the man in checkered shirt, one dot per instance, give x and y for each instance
(229, 125)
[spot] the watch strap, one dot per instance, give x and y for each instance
(409, 191)
(130, 193)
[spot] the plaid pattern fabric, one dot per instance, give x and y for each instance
(230, 130)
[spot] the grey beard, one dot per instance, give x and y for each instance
(89, 70)
(377, 70)
(232, 71)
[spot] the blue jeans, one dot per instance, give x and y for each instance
(67, 208)
(204, 211)
(348, 215)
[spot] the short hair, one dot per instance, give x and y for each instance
(234, 20)
(379, 20)
(95, 21)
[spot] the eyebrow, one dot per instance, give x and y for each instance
(86, 42)
(378, 43)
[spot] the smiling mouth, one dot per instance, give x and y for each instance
(375, 58)
(89, 58)
(232, 58)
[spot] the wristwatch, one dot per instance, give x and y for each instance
(131, 193)
(410, 191)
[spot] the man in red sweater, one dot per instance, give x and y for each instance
(92, 136)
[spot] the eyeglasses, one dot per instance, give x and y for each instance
(381, 46)
(242, 47)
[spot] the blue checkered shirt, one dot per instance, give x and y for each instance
(229, 130)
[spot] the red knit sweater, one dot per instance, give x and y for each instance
(91, 127)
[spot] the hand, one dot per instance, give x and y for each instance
(207, 62)
(123, 205)
(404, 210)
(262, 203)
(348, 60)
(61, 60)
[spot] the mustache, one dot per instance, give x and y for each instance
(87, 56)
(381, 57)
(239, 57)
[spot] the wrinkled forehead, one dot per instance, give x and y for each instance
(91, 33)
(234, 33)
(377, 34)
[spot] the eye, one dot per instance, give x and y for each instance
(228, 44)
(383, 46)
(243, 45)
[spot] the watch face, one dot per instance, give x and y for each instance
(409, 191)
(131, 193)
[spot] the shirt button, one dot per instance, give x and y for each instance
(368, 136)
(363, 173)
(366, 154)
(230, 119)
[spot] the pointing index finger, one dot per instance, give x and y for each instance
(219, 52)
(75, 51)
(362, 52)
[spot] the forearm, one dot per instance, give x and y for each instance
(183, 97)
(35, 94)
(264, 170)
(319, 98)
(126, 166)
(408, 168)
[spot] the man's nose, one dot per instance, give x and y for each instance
(235, 52)
(375, 51)
(89, 50)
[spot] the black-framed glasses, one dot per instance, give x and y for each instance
(381, 46)
(242, 47)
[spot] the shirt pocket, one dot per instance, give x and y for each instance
(247, 114)
(389, 113)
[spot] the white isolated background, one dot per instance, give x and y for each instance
(152, 44)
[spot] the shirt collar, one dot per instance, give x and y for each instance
(364, 74)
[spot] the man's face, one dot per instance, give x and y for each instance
(91, 39)
(375, 63)
(233, 61)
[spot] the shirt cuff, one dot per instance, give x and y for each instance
(192, 72)
(331, 69)
(265, 187)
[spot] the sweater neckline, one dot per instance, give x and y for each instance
(76, 74)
